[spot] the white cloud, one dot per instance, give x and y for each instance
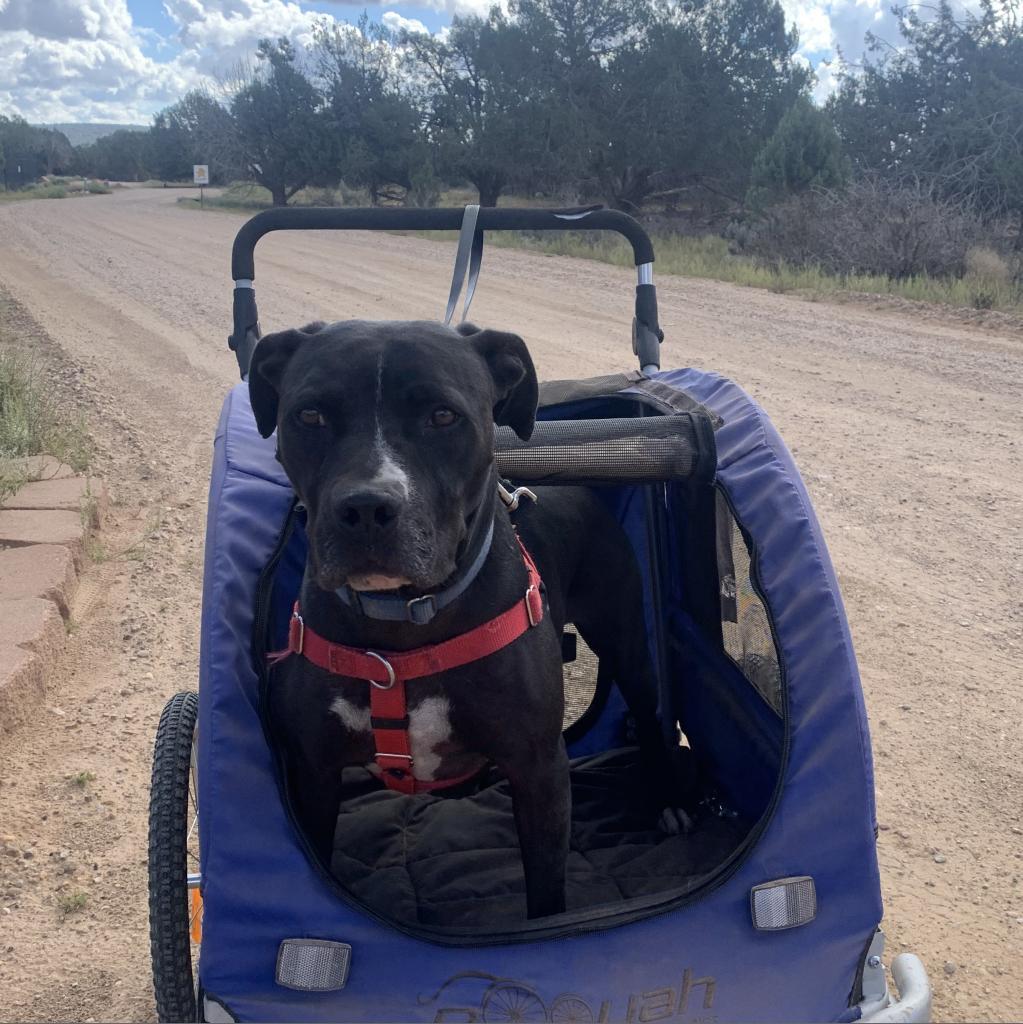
(70, 60)
(67, 19)
(840, 26)
(481, 7)
(397, 22)
(812, 20)
(827, 80)
(213, 33)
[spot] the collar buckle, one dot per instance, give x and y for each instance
(421, 610)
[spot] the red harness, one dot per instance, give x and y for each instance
(387, 674)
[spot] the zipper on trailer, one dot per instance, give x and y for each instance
(261, 616)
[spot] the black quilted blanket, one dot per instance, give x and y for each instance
(454, 862)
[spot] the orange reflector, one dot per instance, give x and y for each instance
(195, 915)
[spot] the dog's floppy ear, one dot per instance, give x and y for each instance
(266, 368)
(514, 377)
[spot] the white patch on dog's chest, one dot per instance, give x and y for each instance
(429, 726)
(354, 718)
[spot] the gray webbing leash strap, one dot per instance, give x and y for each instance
(469, 255)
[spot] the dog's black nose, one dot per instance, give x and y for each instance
(368, 511)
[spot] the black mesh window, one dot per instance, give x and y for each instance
(745, 628)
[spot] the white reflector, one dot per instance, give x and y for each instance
(313, 965)
(785, 903)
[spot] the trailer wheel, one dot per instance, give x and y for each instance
(175, 905)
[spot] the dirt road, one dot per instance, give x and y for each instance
(908, 431)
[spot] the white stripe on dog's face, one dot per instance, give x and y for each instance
(389, 470)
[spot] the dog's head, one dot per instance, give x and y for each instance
(386, 431)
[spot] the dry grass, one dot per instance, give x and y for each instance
(246, 195)
(32, 422)
(987, 285)
(56, 188)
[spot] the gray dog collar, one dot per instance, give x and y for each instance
(418, 610)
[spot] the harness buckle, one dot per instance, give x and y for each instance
(399, 774)
(534, 604)
(390, 678)
(297, 637)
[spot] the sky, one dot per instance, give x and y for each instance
(120, 61)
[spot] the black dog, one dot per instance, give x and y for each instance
(386, 431)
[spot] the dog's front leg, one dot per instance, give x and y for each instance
(310, 738)
(317, 799)
(541, 799)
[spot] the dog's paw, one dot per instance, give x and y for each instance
(675, 822)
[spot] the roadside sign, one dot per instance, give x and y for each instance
(201, 174)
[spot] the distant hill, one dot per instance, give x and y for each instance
(82, 134)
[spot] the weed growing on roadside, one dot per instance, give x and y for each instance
(71, 902)
(88, 510)
(82, 779)
(96, 550)
(56, 188)
(33, 423)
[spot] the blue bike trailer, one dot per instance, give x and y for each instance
(768, 910)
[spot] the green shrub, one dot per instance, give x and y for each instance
(804, 153)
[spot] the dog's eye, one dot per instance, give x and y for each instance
(311, 418)
(443, 417)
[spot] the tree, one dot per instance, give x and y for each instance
(585, 63)
(482, 113)
(122, 155)
(31, 152)
(195, 130)
(55, 150)
(642, 118)
(804, 152)
(282, 137)
(947, 107)
(370, 108)
(670, 98)
(750, 80)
